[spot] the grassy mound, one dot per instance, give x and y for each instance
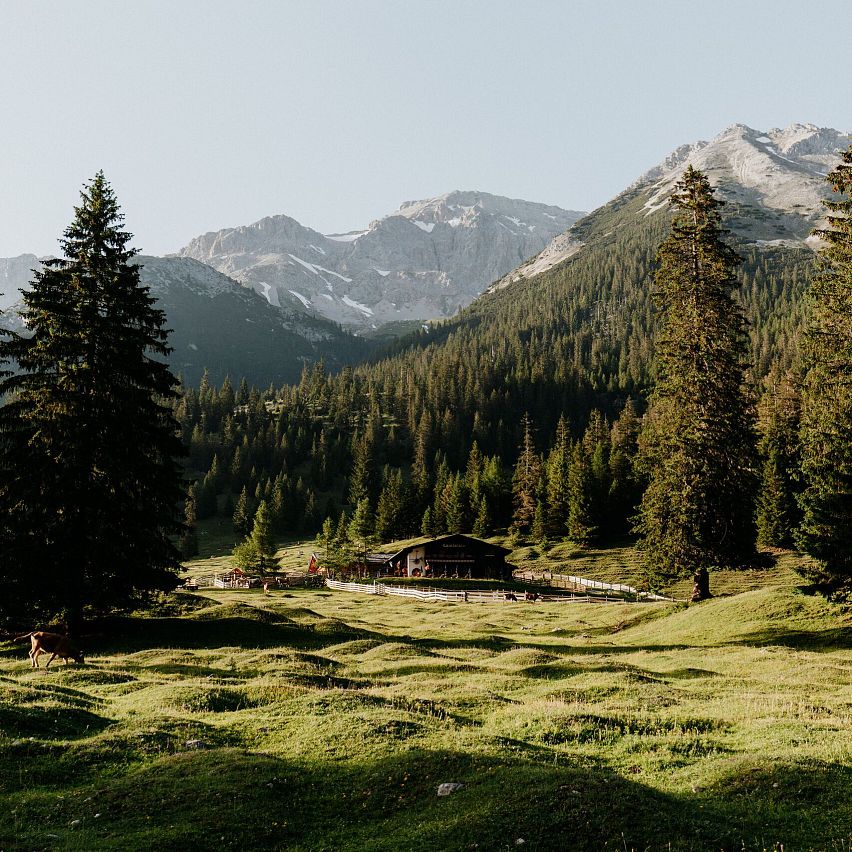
(328, 722)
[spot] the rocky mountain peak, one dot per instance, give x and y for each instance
(425, 260)
(779, 170)
(773, 180)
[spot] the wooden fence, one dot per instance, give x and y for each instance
(578, 584)
(468, 596)
(286, 582)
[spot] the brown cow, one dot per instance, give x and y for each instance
(51, 643)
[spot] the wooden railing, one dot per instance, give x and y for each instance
(569, 581)
(288, 582)
(467, 596)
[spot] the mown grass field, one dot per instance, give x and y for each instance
(326, 721)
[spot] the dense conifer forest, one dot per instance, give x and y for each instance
(521, 412)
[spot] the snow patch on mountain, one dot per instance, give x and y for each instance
(774, 182)
(270, 294)
(300, 297)
(357, 305)
(460, 243)
(777, 170)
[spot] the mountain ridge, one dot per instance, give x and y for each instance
(773, 182)
(424, 261)
(216, 324)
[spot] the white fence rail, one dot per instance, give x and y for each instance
(218, 581)
(569, 580)
(469, 596)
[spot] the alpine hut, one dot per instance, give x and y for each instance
(457, 556)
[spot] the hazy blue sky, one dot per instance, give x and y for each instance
(211, 114)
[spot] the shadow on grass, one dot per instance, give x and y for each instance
(806, 640)
(126, 635)
(52, 722)
(226, 797)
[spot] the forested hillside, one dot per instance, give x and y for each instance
(573, 343)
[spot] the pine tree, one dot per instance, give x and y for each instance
(343, 546)
(215, 476)
(826, 431)
(596, 441)
(262, 537)
(362, 478)
(189, 539)
(442, 493)
(497, 490)
(419, 467)
(557, 489)
(625, 487)
(773, 503)
(458, 509)
(279, 505)
(427, 526)
(482, 524)
(473, 474)
(243, 514)
(310, 517)
(581, 526)
(525, 482)
(390, 506)
(698, 509)
(779, 413)
(326, 543)
(361, 528)
(90, 480)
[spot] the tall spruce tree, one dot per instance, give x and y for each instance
(826, 430)
(361, 529)
(581, 523)
(243, 514)
(558, 493)
(90, 480)
(699, 441)
(526, 481)
(263, 537)
(779, 421)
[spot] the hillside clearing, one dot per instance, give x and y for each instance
(327, 721)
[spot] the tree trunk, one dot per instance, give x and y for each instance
(701, 589)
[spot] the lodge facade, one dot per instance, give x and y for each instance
(452, 556)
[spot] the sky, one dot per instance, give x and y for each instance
(207, 115)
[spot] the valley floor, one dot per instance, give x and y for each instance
(311, 720)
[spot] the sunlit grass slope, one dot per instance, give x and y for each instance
(310, 720)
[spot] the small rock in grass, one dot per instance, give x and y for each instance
(448, 788)
(74, 822)
(520, 841)
(195, 744)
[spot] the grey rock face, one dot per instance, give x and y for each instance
(217, 323)
(773, 181)
(781, 172)
(424, 261)
(15, 275)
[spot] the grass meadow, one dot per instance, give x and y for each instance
(312, 720)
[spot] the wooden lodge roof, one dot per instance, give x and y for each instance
(476, 543)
